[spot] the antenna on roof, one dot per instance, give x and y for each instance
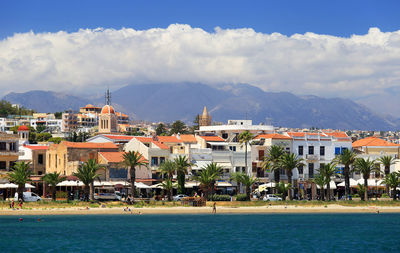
(108, 97)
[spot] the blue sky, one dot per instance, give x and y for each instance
(338, 17)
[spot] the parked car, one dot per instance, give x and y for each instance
(105, 193)
(28, 197)
(271, 197)
(179, 197)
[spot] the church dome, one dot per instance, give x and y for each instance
(23, 128)
(107, 109)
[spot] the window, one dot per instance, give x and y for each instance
(12, 163)
(12, 146)
(260, 155)
(162, 160)
(233, 148)
(237, 169)
(2, 146)
(3, 165)
(300, 168)
(337, 151)
(300, 150)
(310, 170)
(322, 151)
(40, 159)
(55, 160)
(224, 135)
(310, 150)
(154, 161)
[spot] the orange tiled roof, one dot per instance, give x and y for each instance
(107, 109)
(373, 142)
(119, 137)
(150, 140)
(109, 145)
(163, 139)
(273, 136)
(337, 134)
(34, 147)
(120, 114)
(188, 138)
(212, 138)
(116, 157)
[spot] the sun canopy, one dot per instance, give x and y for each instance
(70, 183)
(353, 183)
(191, 184)
(198, 165)
(332, 186)
(223, 184)
(11, 185)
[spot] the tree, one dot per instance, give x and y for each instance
(328, 171)
(58, 115)
(273, 156)
(182, 164)
(133, 159)
(246, 180)
(207, 177)
(392, 180)
(43, 137)
(387, 161)
(168, 187)
(244, 138)
(365, 167)
(361, 191)
(283, 189)
(177, 127)
(160, 129)
(87, 173)
(55, 140)
(20, 175)
(53, 179)
(289, 162)
(168, 168)
(320, 180)
(347, 158)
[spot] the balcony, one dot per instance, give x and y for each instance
(312, 157)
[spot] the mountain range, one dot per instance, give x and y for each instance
(170, 101)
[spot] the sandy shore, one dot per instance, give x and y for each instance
(204, 210)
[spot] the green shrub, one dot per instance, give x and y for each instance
(356, 195)
(241, 197)
(61, 195)
(385, 195)
(216, 197)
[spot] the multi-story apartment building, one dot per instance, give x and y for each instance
(9, 151)
(69, 121)
(47, 120)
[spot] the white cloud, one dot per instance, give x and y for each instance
(90, 60)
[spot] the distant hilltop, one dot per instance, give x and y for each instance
(183, 101)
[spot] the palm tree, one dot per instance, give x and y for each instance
(328, 171)
(320, 180)
(246, 180)
(244, 138)
(347, 158)
(289, 162)
(53, 179)
(182, 164)
(87, 173)
(168, 168)
(20, 175)
(283, 188)
(392, 180)
(207, 177)
(361, 191)
(273, 156)
(168, 186)
(387, 161)
(133, 159)
(365, 167)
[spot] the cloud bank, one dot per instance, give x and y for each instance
(90, 60)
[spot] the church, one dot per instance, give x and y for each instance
(108, 118)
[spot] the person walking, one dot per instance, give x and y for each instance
(214, 208)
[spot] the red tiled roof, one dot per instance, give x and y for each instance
(119, 137)
(373, 142)
(37, 147)
(107, 109)
(116, 157)
(160, 145)
(171, 139)
(108, 145)
(23, 128)
(212, 138)
(273, 136)
(188, 138)
(150, 140)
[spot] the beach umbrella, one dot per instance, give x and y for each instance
(353, 183)
(332, 186)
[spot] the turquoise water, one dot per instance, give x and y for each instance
(202, 233)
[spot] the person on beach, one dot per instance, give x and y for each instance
(20, 204)
(214, 208)
(12, 204)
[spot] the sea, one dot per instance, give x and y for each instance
(202, 233)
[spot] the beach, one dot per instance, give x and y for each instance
(332, 208)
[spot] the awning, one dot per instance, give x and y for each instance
(216, 143)
(371, 182)
(224, 164)
(223, 184)
(11, 185)
(332, 186)
(70, 183)
(353, 183)
(197, 165)
(142, 186)
(191, 184)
